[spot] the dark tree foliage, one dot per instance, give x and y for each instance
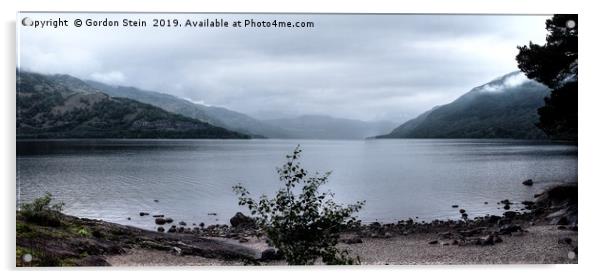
(555, 65)
(304, 224)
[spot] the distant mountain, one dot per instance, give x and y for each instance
(326, 127)
(503, 108)
(213, 115)
(61, 106)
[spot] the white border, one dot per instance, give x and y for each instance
(589, 102)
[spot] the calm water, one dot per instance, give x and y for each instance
(116, 179)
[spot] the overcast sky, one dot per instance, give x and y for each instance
(368, 67)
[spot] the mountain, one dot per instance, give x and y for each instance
(326, 127)
(503, 108)
(213, 115)
(61, 106)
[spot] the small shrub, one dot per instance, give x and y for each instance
(41, 212)
(304, 225)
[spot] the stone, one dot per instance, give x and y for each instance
(507, 206)
(241, 220)
(462, 211)
(156, 200)
(486, 240)
(144, 213)
(182, 223)
(352, 240)
(176, 251)
(172, 229)
(510, 214)
(161, 229)
(160, 221)
(455, 206)
(528, 182)
(510, 228)
(158, 216)
(168, 220)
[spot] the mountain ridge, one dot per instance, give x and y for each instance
(505, 107)
(62, 106)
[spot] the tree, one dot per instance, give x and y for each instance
(555, 65)
(304, 226)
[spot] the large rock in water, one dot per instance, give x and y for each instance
(241, 220)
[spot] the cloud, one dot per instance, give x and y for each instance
(509, 81)
(369, 67)
(113, 77)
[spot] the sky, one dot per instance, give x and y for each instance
(365, 67)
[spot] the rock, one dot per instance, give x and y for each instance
(528, 204)
(528, 182)
(486, 202)
(182, 223)
(158, 216)
(160, 221)
(269, 254)
(462, 211)
(181, 229)
(144, 213)
(494, 219)
(352, 240)
(486, 240)
(129, 218)
(506, 201)
(565, 240)
(455, 206)
(161, 229)
(156, 200)
(510, 228)
(241, 220)
(176, 251)
(202, 225)
(510, 214)
(212, 214)
(172, 229)
(433, 241)
(507, 206)
(168, 220)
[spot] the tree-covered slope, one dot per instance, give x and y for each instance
(503, 108)
(61, 106)
(214, 115)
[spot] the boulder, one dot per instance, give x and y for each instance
(168, 220)
(144, 213)
(161, 229)
(462, 211)
(241, 220)
(158, 216)
(160, 221)
(528, 182)
(455, 206)
(182, 223)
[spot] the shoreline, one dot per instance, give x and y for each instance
(545, 233)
